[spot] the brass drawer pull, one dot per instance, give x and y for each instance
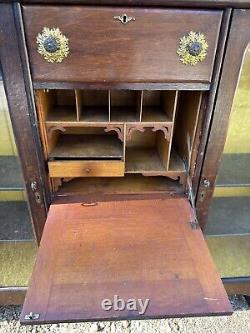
(52, 45)
(192, 48)
(124, 18)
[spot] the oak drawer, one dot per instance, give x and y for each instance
(102, 49)
(86, 168)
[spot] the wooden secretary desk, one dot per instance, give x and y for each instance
(120, 112)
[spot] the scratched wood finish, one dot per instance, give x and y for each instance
(103, 49)
(106, 249)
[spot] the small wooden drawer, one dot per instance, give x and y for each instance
(65, 169)
(125, 45)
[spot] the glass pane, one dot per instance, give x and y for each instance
(230, 210)
(15, 222)
(235, 164)
(229, 215)
(17, 246)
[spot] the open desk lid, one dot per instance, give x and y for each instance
(143, 248)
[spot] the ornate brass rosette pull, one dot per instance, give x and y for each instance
(193, 48)
(52, 45)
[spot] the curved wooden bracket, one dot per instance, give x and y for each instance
(68, 179)
(166, 129)
(181, 177)
(118, 129)
(56, 183)
(55, 128)
(132, 128)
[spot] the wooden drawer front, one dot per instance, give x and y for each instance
(102, 49)
(86, 168)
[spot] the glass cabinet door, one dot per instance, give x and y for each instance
(17, 246)
(228, 227)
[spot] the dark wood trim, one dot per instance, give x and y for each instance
(237, 286)
(31, 100)
(228, 83)
(148, 3)
(206, 121)
(117, 85)
(18, 91)
(12, 295)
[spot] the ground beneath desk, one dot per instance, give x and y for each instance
(239, 322)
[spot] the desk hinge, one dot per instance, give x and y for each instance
(35, 190)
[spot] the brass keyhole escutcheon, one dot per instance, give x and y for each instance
(52, 45)
(124, 18)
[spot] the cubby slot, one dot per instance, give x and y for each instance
(176, 164)
(186, 121)
(159, 106)
(125, 105)
(130, 183)
(107, 133)
(90, 143)
(92, 105)
(57, 105)
(147, 151)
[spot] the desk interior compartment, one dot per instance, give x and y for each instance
(125, 106)
(82, 143)
(151, 131)
(147, 150)
(159, 106)
(92, 105)
(57, 105)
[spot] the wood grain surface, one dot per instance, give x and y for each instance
(104, 50)
(129, 247)
(86, 168)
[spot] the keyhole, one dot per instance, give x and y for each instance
(124, 18)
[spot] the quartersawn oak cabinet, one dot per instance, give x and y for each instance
(115, 151)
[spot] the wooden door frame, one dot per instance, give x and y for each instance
(18, 89)
(238, 40)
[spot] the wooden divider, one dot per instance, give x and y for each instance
(154, 129)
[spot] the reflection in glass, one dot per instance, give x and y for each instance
(14, 217)
(230, 210)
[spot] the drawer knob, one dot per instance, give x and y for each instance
(52, 45)
(192, 48)
(87, 170)
(124, 18)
